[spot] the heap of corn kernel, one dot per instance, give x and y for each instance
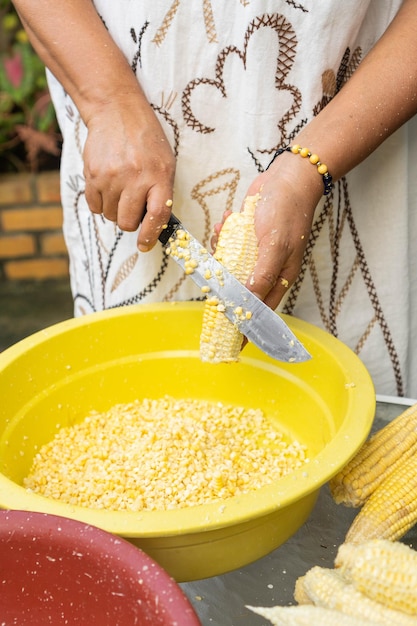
(158, 454)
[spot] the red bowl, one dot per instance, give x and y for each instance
(54, 570)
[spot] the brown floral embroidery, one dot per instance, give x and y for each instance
(287, 46)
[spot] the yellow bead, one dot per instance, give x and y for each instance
(304, 152)
(322, 169)
(295, 148)
(314, 159)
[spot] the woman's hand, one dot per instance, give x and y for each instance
(129, 164)
(289, 192)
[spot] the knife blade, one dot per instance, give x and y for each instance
(258, 322)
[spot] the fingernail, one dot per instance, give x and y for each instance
(143, 248)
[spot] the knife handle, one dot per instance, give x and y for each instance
(173, 225)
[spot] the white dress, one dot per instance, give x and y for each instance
(232, 80)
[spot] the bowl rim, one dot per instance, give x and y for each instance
(244, 508)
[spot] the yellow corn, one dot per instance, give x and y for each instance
(391, 510)
(328, 589)
(381, 455)
(385, 571)
(237, 249)
(165, 453)
(308, 615)
(220, 339)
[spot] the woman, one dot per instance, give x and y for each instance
(189, 102)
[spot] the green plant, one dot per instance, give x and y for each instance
(29, 134)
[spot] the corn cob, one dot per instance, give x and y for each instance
(237, 249)
(328, 589)
(308, 615)
(382, 454)
(385, 571)
(391, 510)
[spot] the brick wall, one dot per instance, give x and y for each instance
(31, 242)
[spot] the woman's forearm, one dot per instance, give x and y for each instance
(379, 97)
(128, 161)
(74, 44)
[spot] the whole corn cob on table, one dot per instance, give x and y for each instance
(271, 581)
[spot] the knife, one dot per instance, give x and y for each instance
(262, 326)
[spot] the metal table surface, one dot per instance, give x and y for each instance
(222, 600)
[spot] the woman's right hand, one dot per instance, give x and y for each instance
(129, 164)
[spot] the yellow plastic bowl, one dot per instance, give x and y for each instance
(55, 377)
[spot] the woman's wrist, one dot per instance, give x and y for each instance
(299, 174)
(313, 158)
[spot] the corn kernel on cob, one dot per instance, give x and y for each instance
(385, 571)
(237, 249)
(308, 615)
(328, 589)
(381, 455)
(391, 510)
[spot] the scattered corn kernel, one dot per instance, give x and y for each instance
(181, 234)
(190, 265)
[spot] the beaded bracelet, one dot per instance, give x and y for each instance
(314, 159)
